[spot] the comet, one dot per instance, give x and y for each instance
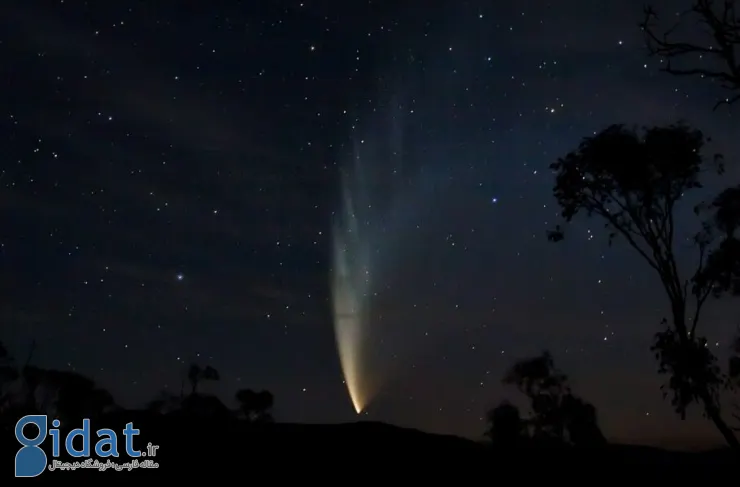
(350, 287)
(380, 198)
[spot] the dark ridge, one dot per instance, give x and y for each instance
(205, 448)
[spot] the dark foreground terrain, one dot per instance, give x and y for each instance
(353, 452)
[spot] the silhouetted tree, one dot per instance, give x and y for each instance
(557, 415)
(734, 374)
(255, 406)
(19, 388)
(8, 376)
(196, 374)
(506, 426)
(63, 394)
(709, 45)
(633, 183)
(580, 421)
(76, 396)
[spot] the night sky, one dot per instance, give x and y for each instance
(170, 178)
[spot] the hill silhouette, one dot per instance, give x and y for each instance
(198, 435)
(204, 447)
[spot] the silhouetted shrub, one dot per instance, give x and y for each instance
(557, 417)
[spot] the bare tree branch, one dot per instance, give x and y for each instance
(722, 27)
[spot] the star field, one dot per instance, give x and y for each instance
(170, 177)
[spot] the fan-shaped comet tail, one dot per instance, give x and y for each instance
(350, 282)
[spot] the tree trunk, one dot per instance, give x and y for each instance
(714, 415)
(710, 407)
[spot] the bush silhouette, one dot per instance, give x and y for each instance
(506, 427)
(66, 395)
(558, 417)
(255, 406)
